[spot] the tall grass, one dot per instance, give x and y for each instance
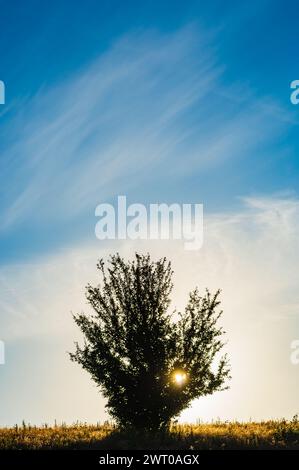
(281, 434)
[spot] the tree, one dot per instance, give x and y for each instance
(148, 366)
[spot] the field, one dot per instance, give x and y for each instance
(265, 435)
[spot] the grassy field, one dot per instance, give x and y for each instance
(265, 435)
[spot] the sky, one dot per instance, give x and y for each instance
(185, 102)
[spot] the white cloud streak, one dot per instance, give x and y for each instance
(151, 104)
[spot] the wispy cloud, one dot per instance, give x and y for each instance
(106, 124)
(152, 103)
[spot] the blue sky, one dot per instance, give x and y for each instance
(163, 102)
(247, 52)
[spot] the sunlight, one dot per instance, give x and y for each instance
(179, 378)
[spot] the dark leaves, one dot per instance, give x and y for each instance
(132, 345)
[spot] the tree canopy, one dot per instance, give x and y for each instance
(149, 363)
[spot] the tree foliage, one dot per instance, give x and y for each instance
(134, 347)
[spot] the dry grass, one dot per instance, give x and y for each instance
(265, 435)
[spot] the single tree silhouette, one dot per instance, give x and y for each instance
(149, 366)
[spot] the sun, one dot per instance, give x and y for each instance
(179, 377)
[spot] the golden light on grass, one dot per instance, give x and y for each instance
(179, 377)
